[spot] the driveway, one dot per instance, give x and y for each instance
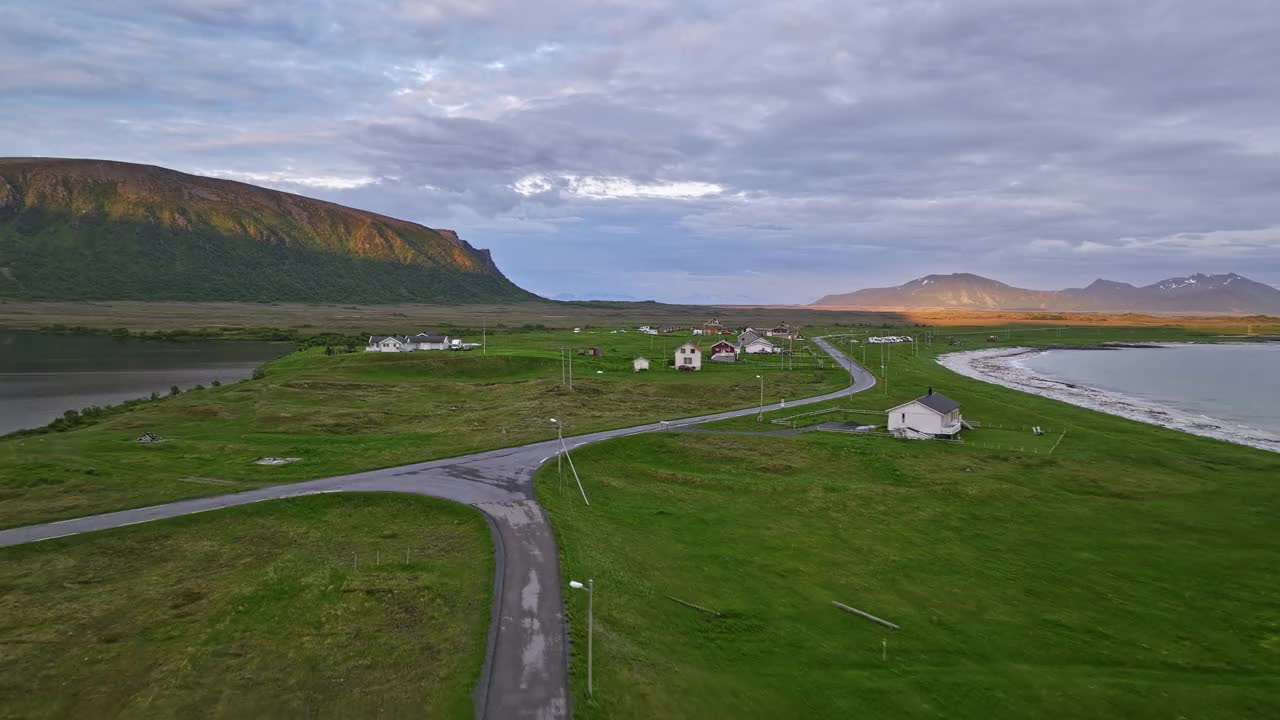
(526, 666)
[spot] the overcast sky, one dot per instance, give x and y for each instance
(695, 151)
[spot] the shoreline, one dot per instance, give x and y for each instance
(1001, 366)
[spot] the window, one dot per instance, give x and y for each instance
(904, 417)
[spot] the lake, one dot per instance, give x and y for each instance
(42, 375)
(1237, 383)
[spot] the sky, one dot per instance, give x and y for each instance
(703, 152)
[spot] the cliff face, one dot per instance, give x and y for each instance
(94, 229)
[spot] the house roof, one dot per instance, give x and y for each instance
(424, 337)
(754, 340)
(375, 339)
(725, 342)
(936, 402)
(689, 344)
(748, 336)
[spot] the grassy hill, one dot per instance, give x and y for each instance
(101, 230)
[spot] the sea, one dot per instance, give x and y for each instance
(1238, 384)
(43, 375)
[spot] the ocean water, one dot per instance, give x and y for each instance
(1237, 383)
(42, 375)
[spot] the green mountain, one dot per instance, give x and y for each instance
(101, 230)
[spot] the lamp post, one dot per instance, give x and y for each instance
(590, 587)
(559, 456)
(760, 415)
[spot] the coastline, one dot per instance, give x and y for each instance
(1002, 366)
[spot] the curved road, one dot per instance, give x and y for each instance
(526, 667)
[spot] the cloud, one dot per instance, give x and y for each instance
(607, 188)
(286, 177)
(669, 149)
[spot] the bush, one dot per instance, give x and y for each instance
(174, 390)
(216, 383)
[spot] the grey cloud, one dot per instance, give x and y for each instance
(854, 142)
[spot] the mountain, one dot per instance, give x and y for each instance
(102, 230)
(1197, 293)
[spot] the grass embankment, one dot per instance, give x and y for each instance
(346, 413)
(255, 611)
(1128, 574)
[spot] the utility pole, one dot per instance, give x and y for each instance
(484, 336)
(571, 371)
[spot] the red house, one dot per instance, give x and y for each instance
(723, 351)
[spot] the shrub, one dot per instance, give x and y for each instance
(174, 390)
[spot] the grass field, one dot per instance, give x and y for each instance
(349, 412)
(257, 611)
(1128, 574)
(369, 319)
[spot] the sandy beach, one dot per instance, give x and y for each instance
(1007, 367)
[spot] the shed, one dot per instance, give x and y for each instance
(640, 363)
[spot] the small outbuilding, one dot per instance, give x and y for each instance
(688, 357)
(640, 363)
(932, 414)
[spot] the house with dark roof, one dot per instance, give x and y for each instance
(932, 415)
(785, 331)
(427, 341)
(752, 343)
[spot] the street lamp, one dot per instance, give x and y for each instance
(559, 457)
(760, 415)
(590, 587)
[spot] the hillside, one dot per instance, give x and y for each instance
(102, 230)
(1198, 293)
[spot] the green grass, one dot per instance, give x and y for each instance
(346, 413)
(1129, 574)
(254, 611)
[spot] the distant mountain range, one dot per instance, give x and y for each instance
(101, 230)
(1199, 293)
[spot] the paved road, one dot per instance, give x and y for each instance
(526, 669)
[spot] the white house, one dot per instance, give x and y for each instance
(400, 343)
(933, 414)
(752, 344)
(426, 341)
(386, 343)
(688, 356)
(640, 363)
